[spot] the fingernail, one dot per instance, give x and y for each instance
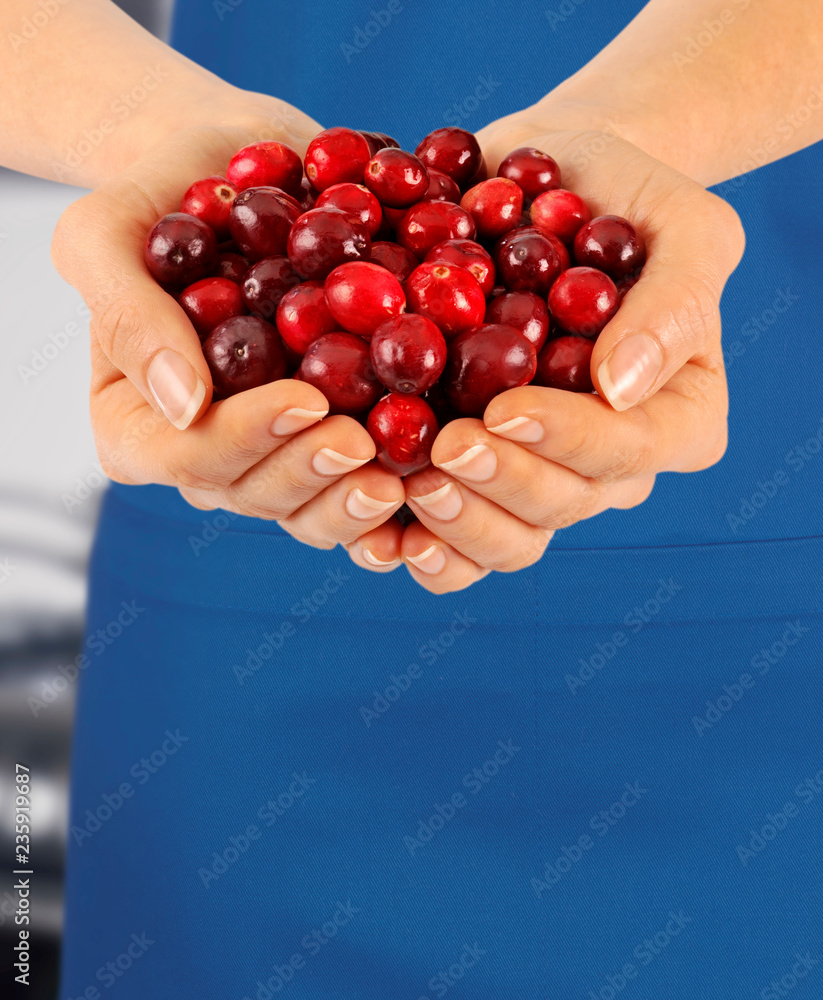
(364, 507)
(522, 429)
(630, 370)
(294, 420)
(176, 387)
(372, 560)
(477, 464)
(331, 463)
(444, 504)
(431, 561)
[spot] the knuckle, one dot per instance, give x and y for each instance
(582, 504)
(629, 460)
(120, 327)
(528, 552)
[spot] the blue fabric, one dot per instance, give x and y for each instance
(599, 777)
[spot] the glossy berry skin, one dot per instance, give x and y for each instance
(485, 361)
(470, 255)
(611, 244)
(525, 311)
(583, 300)
(243, 353)
(260, 221)
(431, 222)
(356, 200)
(449, 296)
(232, 266)
(529, 263)
(303, 316)
(337, 156)
(323, 238)
(441, 188)
(397, 178)
(495, 205)
(408, 353)
(562, 250)
(210, 200)
(266, 164)
(480, 175)
(375, 141)
(338, 365)
(307, 196)
(560, 212)
(453, 151)
(361, 296)
(209, 302)
(265, 284)
(403, 428)
(532, 170)
(180, 249)
(565, 363)
(400, 261)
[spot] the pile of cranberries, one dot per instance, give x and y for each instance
(409, 288)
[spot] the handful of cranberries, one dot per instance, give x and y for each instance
(410, 288)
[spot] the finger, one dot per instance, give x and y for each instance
(434, 564)
(378, 550)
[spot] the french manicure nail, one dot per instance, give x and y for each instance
(522, 429)
(176, 387)
(476, 464)
(364, 507)
(431, 561)
(443, 504)
(630, 370)
(331, 463)
(372, 560)
(294, 420)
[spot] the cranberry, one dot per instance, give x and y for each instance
(495, 205)
(443, 410)
(361, 296)
(529, 263)
(375, 141)
(232, 266)
(408, 353)
(561, 212)
(431, 222)
(396, 177)
(583, 300)
(266, 164)
(453, 151)
(242, 353)
(484, 362)
(210, 301)
(210, 200)
(324, 238)
(335, 156)
(480, 175)
(307, 196)
(266, 283)
(441, 187)
(387, 140)
(403, 428)
(532, 170)
(448, 295)
(565, 363)
(525, 311)
(180, 249)
(303, 316)
(611, 244)
(626, 284)
(260, 220)
(468, 254)
(562, 250)
(338, 365)
(400, 261)
(356, 200)
(393, 216)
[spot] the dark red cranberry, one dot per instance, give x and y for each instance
(408, 353)
(397, 178)
(266, 164)
(210, 200)
(583, 300)
(443, 410)
(323, 238)
(529, 263)
(403, 428)
(375, 141)
(393, 216)
(480, 175)
(468, 254)
(361, 296)
(441, 188)
(565, 363)
(431, 222)
(562, 250)
(532, 170)
(232, 266)
(335, 156)
(449, 296)
(485, 361)
(180, 249)
(307, 196)
(400, 261)
(260, 220)
(338, 365)
(266, 283)
(209, 302)
(387, 140)
(495, 205)
(243, 353)
(303, 316)
(452, 151)
(509, 237)
(356, 200)
(626, 284)
(561, 212)
(611, 244)
(525, 311)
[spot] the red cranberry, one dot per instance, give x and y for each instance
(210, 200)
(323, 238)
(583, 300)
(480, 175)
(468, 254)
(403, 428)
(387, 140)
(361, 296)
(448, 295)
(565, 363)
(393, 216)
(400, 261)
(260, 220)
(375, 141)
(396, 177)
(525, 311)
(431, 222)
(408, 353)
(485, 361)
(453, 151)
(180, 249)
(562, 251)
(338, 365)
(266, 164)
(443, 410)
(441, 187)
(307, 196)
(529, 263)
(335, 156)
(303, 316)
(611, 244)
(210, 301)
(266, 283)
(356, 200)
(232, 266)
(242, 353)
(495, 205)
(532, 170)
(561, 212)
